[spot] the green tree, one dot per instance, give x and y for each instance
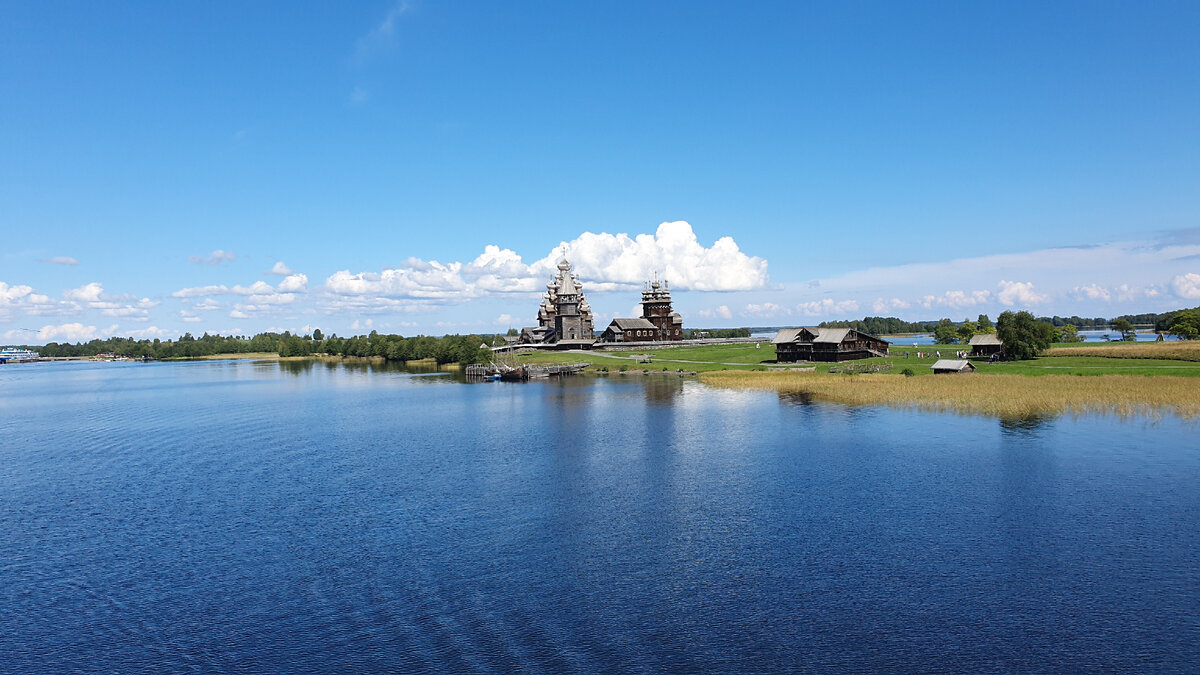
(1068, 333)
(1126, 329)
(985, 324)
(1024, 337)
(294, 346)
(966, 331)
(1186, 324)
(317, 334)
(945, 333)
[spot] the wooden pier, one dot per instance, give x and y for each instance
(496, 371)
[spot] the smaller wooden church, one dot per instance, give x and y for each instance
(657, 322)
(826, 344)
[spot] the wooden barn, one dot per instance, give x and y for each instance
(826, 344)
(985, 345)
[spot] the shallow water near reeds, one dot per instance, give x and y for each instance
(263, 516)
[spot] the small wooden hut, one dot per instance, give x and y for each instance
(947, 366)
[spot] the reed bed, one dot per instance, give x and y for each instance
(1187, 350)
(1005, 396)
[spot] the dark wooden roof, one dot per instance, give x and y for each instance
(632, 324)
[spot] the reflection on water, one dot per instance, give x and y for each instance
(296, 367)
(662, 389)
(360, 366)
(797, 398)
(1025, 426)
(363, 516)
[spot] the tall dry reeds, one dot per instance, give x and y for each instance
(996, 395)
(1188, 350)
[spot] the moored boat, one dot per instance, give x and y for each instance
(15, 355)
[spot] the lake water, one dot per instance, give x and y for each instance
(234, 516)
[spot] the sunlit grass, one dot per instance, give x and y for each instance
(708, 358)
(1188, 350)
(681, 358)
(997, 395)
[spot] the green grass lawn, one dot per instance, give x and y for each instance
(699, 358)
(1094, 365)
(746, 357)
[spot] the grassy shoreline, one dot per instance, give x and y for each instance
(1149, 359)
(996, 395)
(1122, 379)
(1141, 379)
(1176, 351)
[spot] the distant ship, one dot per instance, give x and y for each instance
(14, 355)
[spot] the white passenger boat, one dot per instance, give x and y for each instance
(15, 355)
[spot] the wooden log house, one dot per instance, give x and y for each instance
(830, 345)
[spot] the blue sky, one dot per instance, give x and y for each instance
(416, 167)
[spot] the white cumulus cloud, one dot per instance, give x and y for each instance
(213, 259)
(601, 261)
(20, 298)
(1092, 292)
(148, 332)
(766, 310)
(86, 293)
(71, 332)
(417, 279)
(200, 291)
(882, 305)
(721, 312)
(673, 252)
(13, 293)
(294, 283)
(1018, 292)
(279, 269)
(956, 299)
(259, 298)
(827, 307)
(1187, 286)
(134, 313)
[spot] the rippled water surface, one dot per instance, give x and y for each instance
(257, 516)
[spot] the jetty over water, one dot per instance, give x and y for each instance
(492, 371)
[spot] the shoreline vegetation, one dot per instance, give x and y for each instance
(1119, 378)
(1004, 396)
(1123, 378)
(1188, 350)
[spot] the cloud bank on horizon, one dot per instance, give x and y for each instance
(718, 284)
(606, 262)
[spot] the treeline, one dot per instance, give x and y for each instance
(1101, 323)
(447, 349)
(1183, 322)
(462, 349)
(698, 333)
(883, 325)
(890, 325)
(185, 347)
